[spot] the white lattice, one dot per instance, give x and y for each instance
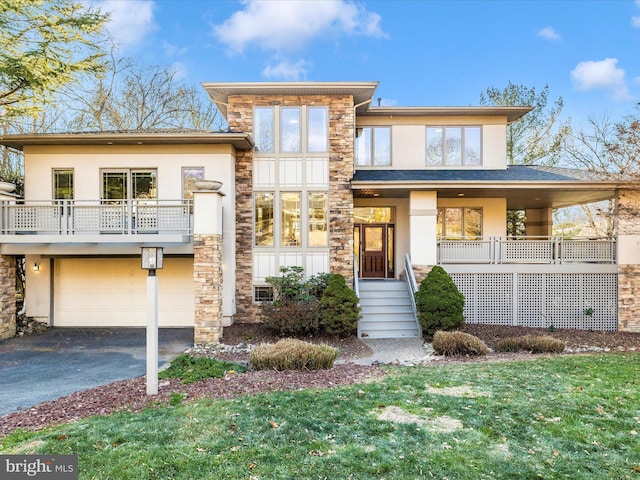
(529, 251)
(588, 250)
(465, 251)
(564, 300)
(40, 218)
(86, 218)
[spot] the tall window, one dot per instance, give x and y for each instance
(129, 184)
(263, 129)
(63, 184)
(290, 219)
(454, 146)
(373, 146)
(318, 224)
(263, 202)
(459, 222)
(318, 136)
(290, 129)
(191, 175)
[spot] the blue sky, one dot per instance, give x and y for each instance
(430, 52)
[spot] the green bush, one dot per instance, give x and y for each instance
(191, 369)
(288, 317)
(340, 310)
(439, 303)
(292, 354)
(529, 343)
(451, 344)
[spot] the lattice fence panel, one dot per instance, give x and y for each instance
(40, 218)
(488, 297)
(563, 300)
(588, 251)
(526, 251)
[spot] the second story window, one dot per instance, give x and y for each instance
(454, 146)
(129, 184)
(373, 146)
(63, 184)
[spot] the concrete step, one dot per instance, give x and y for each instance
(391, 310)
(371, 299)
(364, 333)
(381, 285)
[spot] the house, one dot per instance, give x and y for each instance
(313, 175)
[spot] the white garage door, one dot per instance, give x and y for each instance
(111, 292)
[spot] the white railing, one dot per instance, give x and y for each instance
(412, 286)
(546, 250)
(76, 217)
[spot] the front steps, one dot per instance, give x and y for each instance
(386, 310)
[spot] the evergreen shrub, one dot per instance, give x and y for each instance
(439, 303)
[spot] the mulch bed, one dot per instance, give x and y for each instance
(130, 395)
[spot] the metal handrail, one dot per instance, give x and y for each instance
(412, 285)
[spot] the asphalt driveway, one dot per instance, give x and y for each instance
(60, 361)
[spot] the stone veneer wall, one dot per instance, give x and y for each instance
(420, 272)
(207, 277)
(341, 167)
(628, 219)
(7, 297)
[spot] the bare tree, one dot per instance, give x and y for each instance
(132, 97)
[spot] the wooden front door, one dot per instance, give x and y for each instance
(374, 251)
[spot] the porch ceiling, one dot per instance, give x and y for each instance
(520, 197)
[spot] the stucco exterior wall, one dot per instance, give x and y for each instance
(408, 140)
(494, 212)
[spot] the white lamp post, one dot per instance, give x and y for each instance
(152, 261)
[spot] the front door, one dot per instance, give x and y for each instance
(374, 251)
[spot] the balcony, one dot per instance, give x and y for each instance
(527, 250)
(95, 221)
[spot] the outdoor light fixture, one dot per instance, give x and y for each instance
(36, 267)
(151, 259)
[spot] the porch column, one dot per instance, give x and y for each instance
(207, 266)
(539, 222)
(423, 211)
(628, 223)
(7, 296)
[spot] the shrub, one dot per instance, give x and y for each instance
(533, 344)
(192, 369)
(340, 310)
(451, 344)
(290, 317)
(439, 303)
(292, 354)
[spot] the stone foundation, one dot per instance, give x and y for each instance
(7, 297)
(207, 278)
(420, 272)
(628, 294)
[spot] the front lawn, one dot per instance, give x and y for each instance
(561, 417)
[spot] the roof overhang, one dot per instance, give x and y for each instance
(241, 141)
(511, 113)
(362, 92)
(519, 196)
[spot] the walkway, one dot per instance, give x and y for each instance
(396, 351)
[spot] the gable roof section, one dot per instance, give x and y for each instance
(169, 136)
(219, 92)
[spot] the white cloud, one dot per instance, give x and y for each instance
(173, 50)
(601, 75)
(635, 22)
(285, 70)
(129, 22)
(290, 25)
(549, 33)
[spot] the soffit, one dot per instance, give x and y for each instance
(512, 113)
(241, 141)
(362, 92)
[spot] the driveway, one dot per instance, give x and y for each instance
(60, 361)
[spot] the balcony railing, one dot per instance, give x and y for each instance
(76, 217)
(543, 250)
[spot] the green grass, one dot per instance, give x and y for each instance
(192, 369)
(552, 418)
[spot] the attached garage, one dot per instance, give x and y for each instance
(111, 292)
